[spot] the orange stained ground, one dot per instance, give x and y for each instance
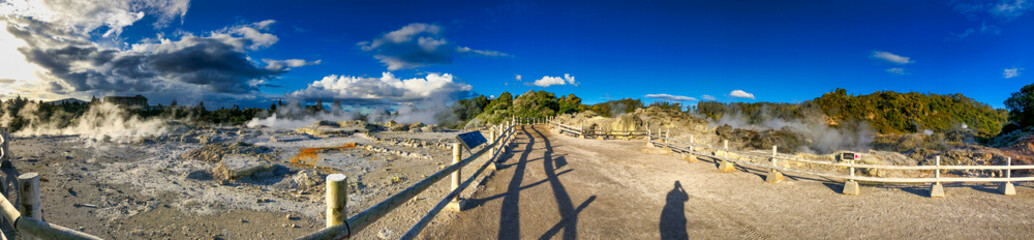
(307, 157)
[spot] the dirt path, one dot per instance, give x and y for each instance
(558, 187)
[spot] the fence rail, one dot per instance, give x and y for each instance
(363, 219)
(584, 132)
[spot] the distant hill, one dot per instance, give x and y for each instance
(67, 100)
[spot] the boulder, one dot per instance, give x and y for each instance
(324, 129)
(236, 166)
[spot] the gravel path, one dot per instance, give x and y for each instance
(557, 187)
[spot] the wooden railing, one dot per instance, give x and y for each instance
(25, 219)
(590, 132)
(344, 229)
(721, 154)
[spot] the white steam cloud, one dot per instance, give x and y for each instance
(822, 137)
(101, 122)
(290, 116)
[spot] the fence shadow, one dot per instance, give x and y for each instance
(568, 212)
(510, 214)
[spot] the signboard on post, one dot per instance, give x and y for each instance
(850, 156)
(471, 139)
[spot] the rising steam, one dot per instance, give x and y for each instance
(823, 138)
(101, 122)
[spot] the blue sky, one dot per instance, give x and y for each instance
(780, 51)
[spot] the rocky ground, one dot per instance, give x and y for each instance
(229, 183)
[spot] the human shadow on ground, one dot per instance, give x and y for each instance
(568, 212)
(510, 214)
(673, 215)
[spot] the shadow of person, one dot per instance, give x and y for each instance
(673, 216)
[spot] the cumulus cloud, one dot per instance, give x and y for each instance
(518, 77)
(708, 97)
(87, 16)
(898, 71)
(285, 65)
(417, 45)
(890, 57)
(1011, 73)
(741, 94)
(73, 44)
(547, 81)
(213, 63)
(670, 98)
(386, 89)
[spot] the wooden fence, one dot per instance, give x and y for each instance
(25, 217)
(851, 179)
(661, 139)
(337, 228)
(594, 132)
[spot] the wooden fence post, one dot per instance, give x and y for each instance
(691, 138)
(937, 190)
(581, 130)
(30, 200)
(1008, 188)
(492, 149)
(457, 156)
(649, 137)
(726, 165)
(337, 199)
(851, 186)
(667, 136)
(774, 176)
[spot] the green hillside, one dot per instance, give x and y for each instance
(886, 111)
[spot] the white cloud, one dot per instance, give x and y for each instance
(1011, 73)
(670, 98)
(708, 97)
(417, 45)
(86, 16)
(518, 77)
(547, 81)
(898, 71)
(1009, 9)
(890, 57)
(741, 94)
(386, 88)
(489, 53)
(72, 63)
(286, 65)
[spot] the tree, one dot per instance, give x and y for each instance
(571, 104)
(1021, 106)
(614, 108)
